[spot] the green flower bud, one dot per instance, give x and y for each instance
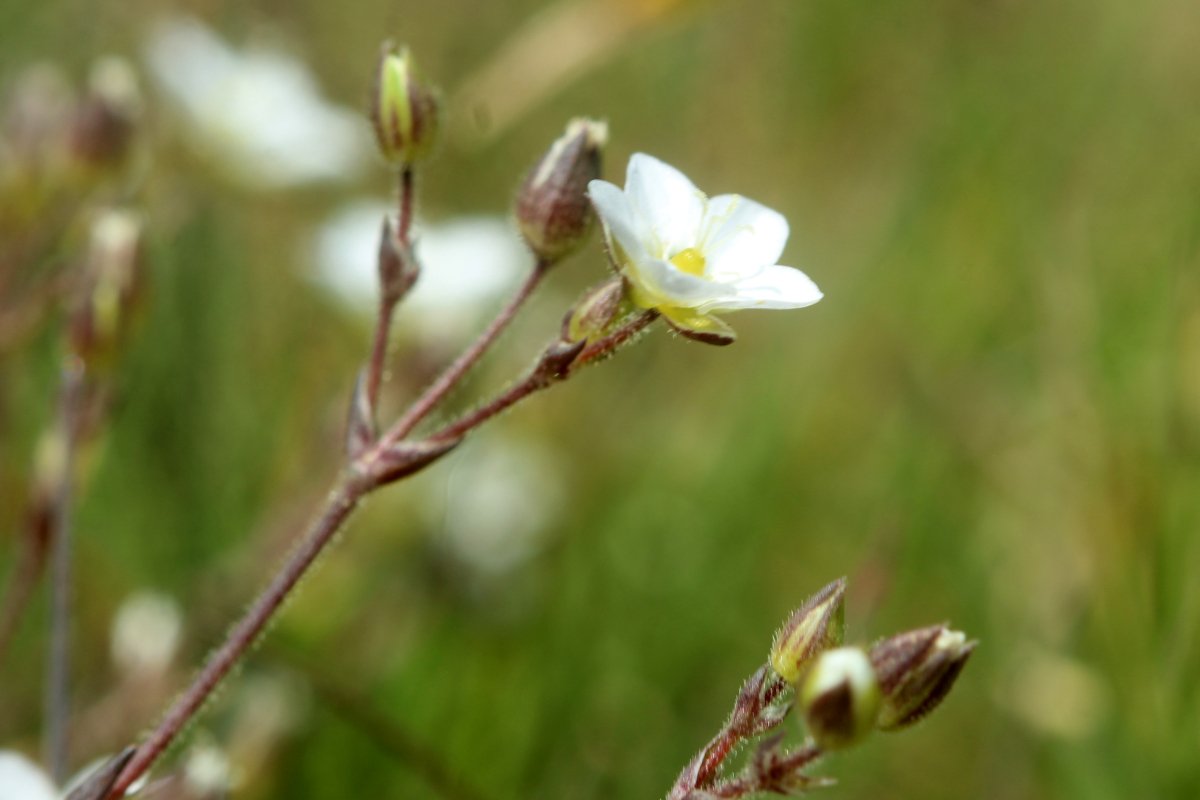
(594, 312)
(815, 626)
(840, 698)
(916, 671)
(404, 111)
(552, 207)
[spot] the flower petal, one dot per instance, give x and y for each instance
(668, 286)
(613, 209)
(773, 287)
(740, 237)
(670, 204)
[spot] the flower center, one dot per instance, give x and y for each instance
(690, 261)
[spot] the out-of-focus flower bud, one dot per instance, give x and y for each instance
(916, 671)
(594, 312)
(398, 270)
(104, 123)
(145, 634)
(817, 625)
(840, 698)
(113, 269)
(404, 111)
(207, 772)
(552, 207)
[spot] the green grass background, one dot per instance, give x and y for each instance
(992, 418)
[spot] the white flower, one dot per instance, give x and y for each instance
(145, 633)
(467, 265)
(691, 256)
(21, 779)
(258, 112)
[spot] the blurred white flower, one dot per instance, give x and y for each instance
(269, 708)
(691, 256)
(467, 264)
(257, 112)
(502, 497)
(21, 779)
(145, 633)
(207, 771)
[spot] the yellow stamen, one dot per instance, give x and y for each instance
(690, 261)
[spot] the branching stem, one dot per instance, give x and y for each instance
(454, 373)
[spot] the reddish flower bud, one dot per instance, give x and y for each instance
(102, 132)
(916, 671)
(552, 208)
(594, 312)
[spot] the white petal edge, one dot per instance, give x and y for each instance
(740, 237)
(612, 206)
(669, 203)
(774, 287)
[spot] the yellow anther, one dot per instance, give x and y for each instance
(690, 261)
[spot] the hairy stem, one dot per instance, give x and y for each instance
(58, 668)
(362, 478)
(344, 498)
(536, 380)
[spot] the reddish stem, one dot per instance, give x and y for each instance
(463, 364)
(538, 380)
(387, 304)
(342, 501)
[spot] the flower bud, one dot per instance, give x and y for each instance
(815, 626)
(594, 312)
(840, 698)
(916, 671)
(113, 279)
(398, 270)
(404, 111)
(103, 128)
(552, 206)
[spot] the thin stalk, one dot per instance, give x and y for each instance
(535, 381)
(387, 303)
(378, 362)
(359, 481)
(463, 364)
(59, 668)
(344, 498)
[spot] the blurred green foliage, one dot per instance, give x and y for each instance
(993, 417)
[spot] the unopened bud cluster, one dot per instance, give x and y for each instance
(846, 692)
